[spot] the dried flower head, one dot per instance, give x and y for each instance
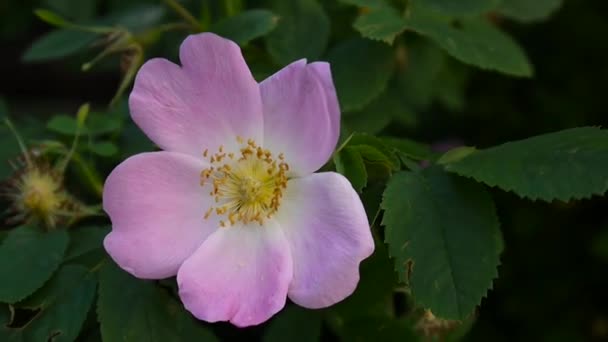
(36, 192)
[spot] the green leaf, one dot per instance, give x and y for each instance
(463, 7)
(562, 165)
(131, 309)
(374, 150)
(366, 3)
(104, 148)
(96, 124)
(374, 291)
(376, 115)
(382, 24)
(63, 303)
(379, 328)
(84, 240)
(63, 124)
(456, 154)
(294, 324)
(473, 41)
(104, 123)
(80, 10)
(51, 18)
(58, 44)
(417, 78)
(350, 164)
(246, 26)
(361, 69)
(443, 232)
(28, 258)
(528, 11)
(302, 31)
(410, 148)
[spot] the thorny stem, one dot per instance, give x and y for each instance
(184, 13)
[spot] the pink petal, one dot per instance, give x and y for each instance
(326, 226)
(156, 206)
(207, 102)
(301, 117)
(240, 274)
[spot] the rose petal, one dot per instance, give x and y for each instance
(239, 274)
(206, 103)
(327, 228)
(323, 71)
(297, 118)
(156, 206)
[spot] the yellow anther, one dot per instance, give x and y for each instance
(248, 189)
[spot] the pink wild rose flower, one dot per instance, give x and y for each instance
(232, 206)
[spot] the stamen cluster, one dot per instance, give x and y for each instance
(247, 186)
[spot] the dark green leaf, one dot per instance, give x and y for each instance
(443, 232)
(246, 26)
(51, 18)
(374, 150)
(302, 31)
(138, 18)
(131, 309)
(563, 165)
(63, 124)
(462, 7)
(382, 24)
(366, 3)
(104, 123)
(378, 328)
(28, 258)
(84, 240)
(410, 148)
(375, 116)
(104, 148)
(350, 163)
(76, 10)
(361, 69)
(58, 44)
(294, 324)
(473, 41)
(374, 291)
(417, 79)
(527, 11)
(63, 304)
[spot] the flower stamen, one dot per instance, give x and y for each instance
(248, 188)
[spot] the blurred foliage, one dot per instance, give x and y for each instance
(505, 241)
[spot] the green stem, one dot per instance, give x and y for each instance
(184, 13)
(24, 151)
(90, 174)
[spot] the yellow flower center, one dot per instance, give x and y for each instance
(40, 193)
(247, 186)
